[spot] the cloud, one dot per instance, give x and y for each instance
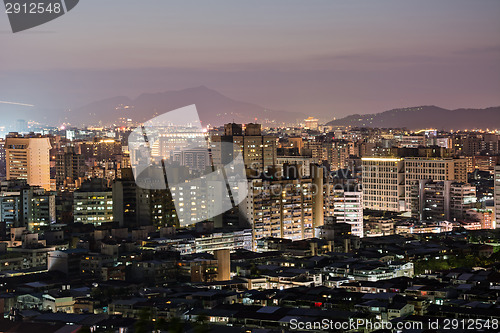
(483, 50)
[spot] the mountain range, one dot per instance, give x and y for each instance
(426, 117)
(214, 109)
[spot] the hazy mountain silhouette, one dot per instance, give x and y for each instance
(426, 117)
(213, 107)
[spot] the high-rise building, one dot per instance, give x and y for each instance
(490, 145)
(259, 151)
(101, 149)
(194, 158)
(411, 141)
(311, 123)
(302, 163)
(281, 208)
(315, 150)
(462, 198)
(442, 200)
(388, 181)
(134, 206)
(318, 174)
(10, 212)
(383, 183)
(22, 205)
(436, 169)
(194, 200)
(39, 208)
(70, 168)
(223, 258)
(484, 163)
(338, 153)
(348, 208)
(466, 144)
(343, 201)
(496, 194)
(296, 143)
(2, 158)
(161, 208)
(93, 203)
(28, 158)
(130, 204)
(286, 207)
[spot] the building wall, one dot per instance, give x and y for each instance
(496, 195)
(28, 158)
(383, 183)
(93, 207)
(348, 208)
(280, 208)
(388, 182)
(223, 264)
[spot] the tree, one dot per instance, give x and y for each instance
(175, 325)
(201, 324)
(144, 321)
(160, 325)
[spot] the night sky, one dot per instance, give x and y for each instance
(323, 58)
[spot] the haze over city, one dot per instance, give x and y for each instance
(328, 60)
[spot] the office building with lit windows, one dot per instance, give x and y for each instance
(93, 203)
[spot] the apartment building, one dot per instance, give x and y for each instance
(93, 203)
(28, 158)
(280, 208)
(388, 181)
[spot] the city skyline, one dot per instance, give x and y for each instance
(244, 167)
(382, 226)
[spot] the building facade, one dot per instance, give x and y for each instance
(280, 208)
(388, 181)
(93, 203)
(28, 158)
(496, 194)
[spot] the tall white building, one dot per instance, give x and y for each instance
(348, 208)
(383, 183)
(28, 158)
